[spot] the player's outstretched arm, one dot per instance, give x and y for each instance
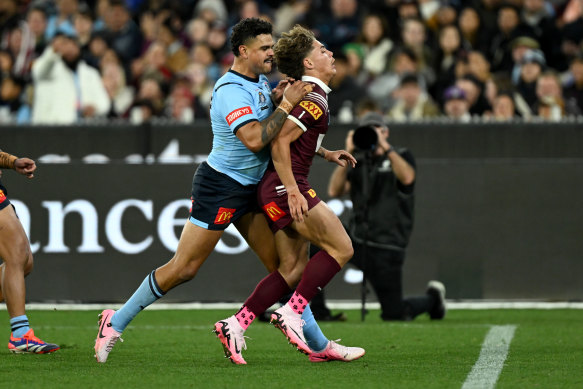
(24, 166)
(340, 157)
(256, 135)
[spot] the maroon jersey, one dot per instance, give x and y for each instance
(312, 116)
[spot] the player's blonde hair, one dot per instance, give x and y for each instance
(291, 49)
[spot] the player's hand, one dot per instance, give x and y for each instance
(25, 166)
(277, 92)
(349, 143)
(341, 158)
(295, 92)
(298, 205)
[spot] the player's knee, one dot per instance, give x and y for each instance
(187, 272)
(346, 252)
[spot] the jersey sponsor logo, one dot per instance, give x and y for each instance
(312, 193)
(311, 108)
(236, 114)
(224, 215)
(273, 211)
(2, 196)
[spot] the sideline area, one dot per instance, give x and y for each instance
(332, 304)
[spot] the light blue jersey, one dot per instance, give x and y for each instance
(236, 101)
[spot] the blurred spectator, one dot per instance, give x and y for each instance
(153, 64)
(508, 28)
(122, 34)
(533, 63)
(414, 37)
(412, 103)
(217, 41)
(177, 55)
(83, 24)
(180, 104)
(573, 90)
(197, 30)
(66, 89)
(474, 33)
(448, 52)
(521, 45)
(474, 94)
(402, 61)
(338, 27)
(503, 108)
(201, 85)
(289, 13)
(21, 43)
(212, 11)
(149, 23)
(36, 18)
(478, 66)
(549, 93)
(347, 93)
(63, 20)
(11, 88)
(120, 94)
(373, 45)
(445, 15)
(202, 54)
(456, 106)
(148, 103)
(572, 38)
(95, 49)
(537, 16)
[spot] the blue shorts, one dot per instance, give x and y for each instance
(218, 200)
(4, 202)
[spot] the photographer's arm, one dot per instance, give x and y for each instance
(403, 170)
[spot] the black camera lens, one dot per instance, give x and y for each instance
(365, 138)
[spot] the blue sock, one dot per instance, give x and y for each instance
(146, 294)
(312, 332)
(19, 325)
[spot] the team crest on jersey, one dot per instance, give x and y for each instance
(312, 193)
(224, 215)
(311, 108)
(262, 98)
(273, 211)
(2, 196)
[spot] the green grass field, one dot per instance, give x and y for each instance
(176, 349)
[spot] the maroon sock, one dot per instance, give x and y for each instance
(318, 272)
(266, 293)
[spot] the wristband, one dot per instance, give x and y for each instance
(7, 160)
(389, 150)
(285, 105)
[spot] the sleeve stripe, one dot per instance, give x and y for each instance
(242, 124)
(297, 121)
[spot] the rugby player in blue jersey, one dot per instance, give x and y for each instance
(245, 116)
(16, 258)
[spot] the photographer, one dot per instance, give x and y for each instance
(381, 187)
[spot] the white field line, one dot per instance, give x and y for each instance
(332, 304)
(486, 370)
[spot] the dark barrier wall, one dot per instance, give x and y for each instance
(498, 214)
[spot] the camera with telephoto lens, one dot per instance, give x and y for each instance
(365, 138)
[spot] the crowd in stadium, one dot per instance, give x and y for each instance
(66, 61)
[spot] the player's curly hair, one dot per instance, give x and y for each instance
(291, 49)
(246, 30)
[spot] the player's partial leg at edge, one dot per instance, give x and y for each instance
(194, 247)
(18, 262)
(293, 257)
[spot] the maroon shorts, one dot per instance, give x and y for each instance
(272, 198)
